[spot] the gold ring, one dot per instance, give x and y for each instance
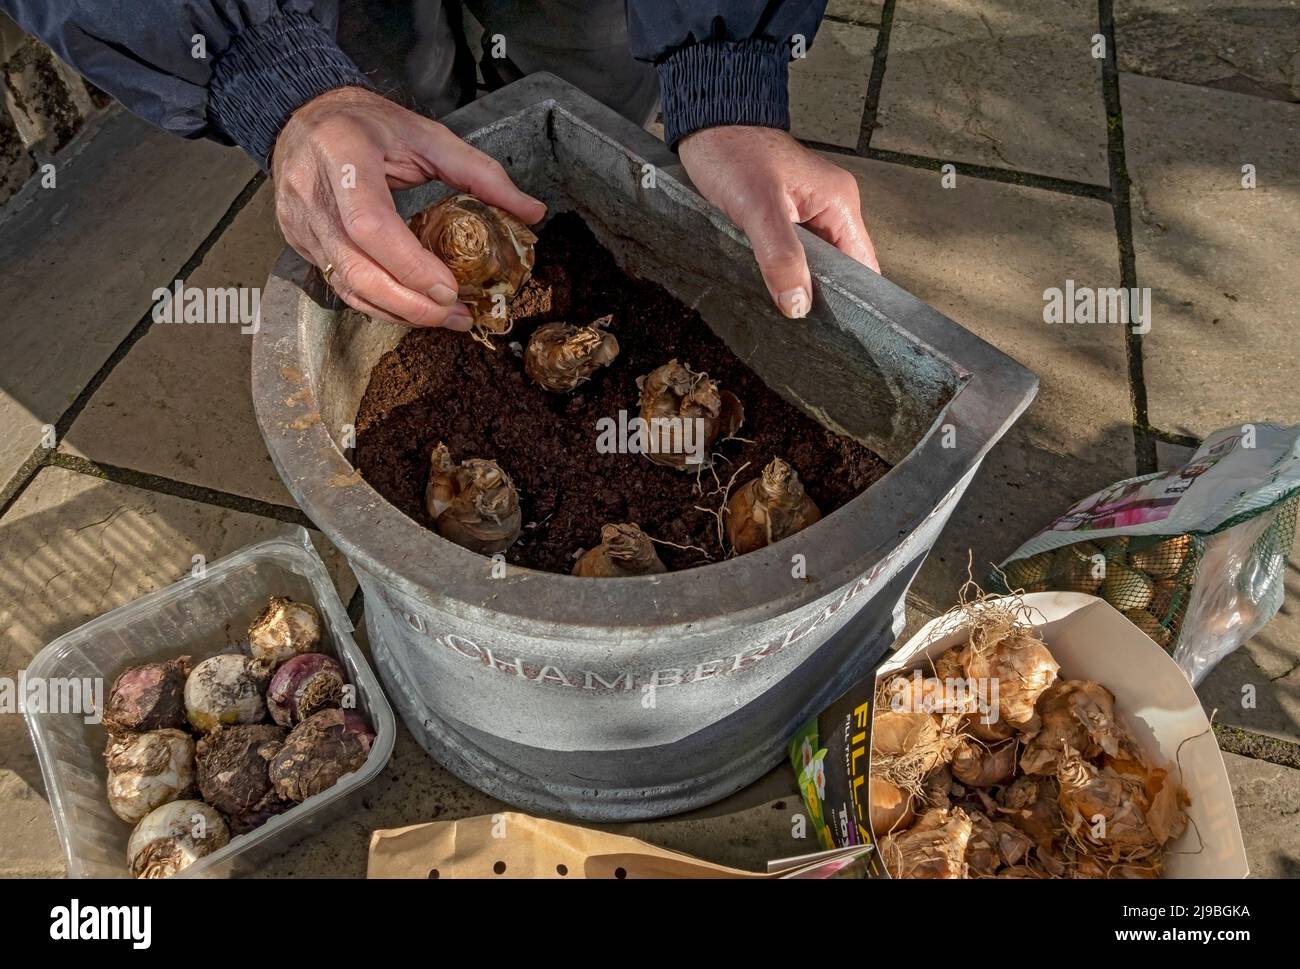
(327, 272)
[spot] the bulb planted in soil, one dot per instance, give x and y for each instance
(624, 550)
(685, 413)
(488, 250)
(769, 508)
(561, 356)
(473, 504)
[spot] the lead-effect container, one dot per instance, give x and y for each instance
(639, 697)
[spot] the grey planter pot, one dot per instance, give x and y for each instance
(634, 698)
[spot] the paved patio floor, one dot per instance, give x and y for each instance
(1124, 169)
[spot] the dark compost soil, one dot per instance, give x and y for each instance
(437, 385)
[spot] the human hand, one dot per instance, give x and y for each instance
(765, 182)
(333, 166)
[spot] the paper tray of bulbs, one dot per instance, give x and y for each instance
(474, 503)
(1035, 736)
(198, 755)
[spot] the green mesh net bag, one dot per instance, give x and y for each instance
(1195, 557)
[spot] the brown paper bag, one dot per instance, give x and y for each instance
(519, 846)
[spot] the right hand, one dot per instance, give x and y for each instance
(343, 217)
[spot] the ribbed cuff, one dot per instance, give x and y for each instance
(270, 71)
(728, 82)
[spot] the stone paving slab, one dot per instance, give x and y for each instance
(859, 11)
(1004, 83)
(1219, 258)
(828, 87)
(82, 260)
(976, 252)
(1268, 807)
(71, 548)
(180, 404)
(1249, 46)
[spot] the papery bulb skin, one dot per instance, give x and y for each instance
(284, 629)
(624, 550)
(769, 508)
(488, 250)
(146, 770)
(560, 356)
(318, 752)
(473, 504)
(673, 397)
(305, 685)
(148, 697)
(233, 765)
(173, 837)
(226, 690)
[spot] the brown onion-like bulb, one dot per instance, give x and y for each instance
(226, 689)
(623, 550)
(473, 504)
(173, 837)
(488, 250)
(146, 770)
(234, 763)
(304, 685)
(674, 395)
(148, 697)
(561, 356)
(318, 752)
(284, 628)
(769, 508)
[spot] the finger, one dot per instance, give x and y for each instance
(369, 309)
(780, 255)
(840, 224)
(355, 277)
(468, 169)
(367, 214)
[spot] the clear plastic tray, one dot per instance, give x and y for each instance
(201, 616)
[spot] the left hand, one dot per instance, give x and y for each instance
(766, 182)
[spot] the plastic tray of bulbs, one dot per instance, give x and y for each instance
(473, 502)
(252, 733)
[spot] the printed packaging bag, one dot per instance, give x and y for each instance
(1195, 557)
(1090, 641)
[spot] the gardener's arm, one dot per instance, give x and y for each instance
(723, 68)
(269, 76)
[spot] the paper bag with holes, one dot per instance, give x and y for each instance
(519, 846)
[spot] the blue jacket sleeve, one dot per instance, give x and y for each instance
(721, 62)
(233, 70)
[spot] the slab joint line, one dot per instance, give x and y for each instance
(1144, 443)
(876, 79)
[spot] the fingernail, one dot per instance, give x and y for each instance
(794, 303)
(443, 295)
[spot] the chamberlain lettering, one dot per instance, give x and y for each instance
(627, 680)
